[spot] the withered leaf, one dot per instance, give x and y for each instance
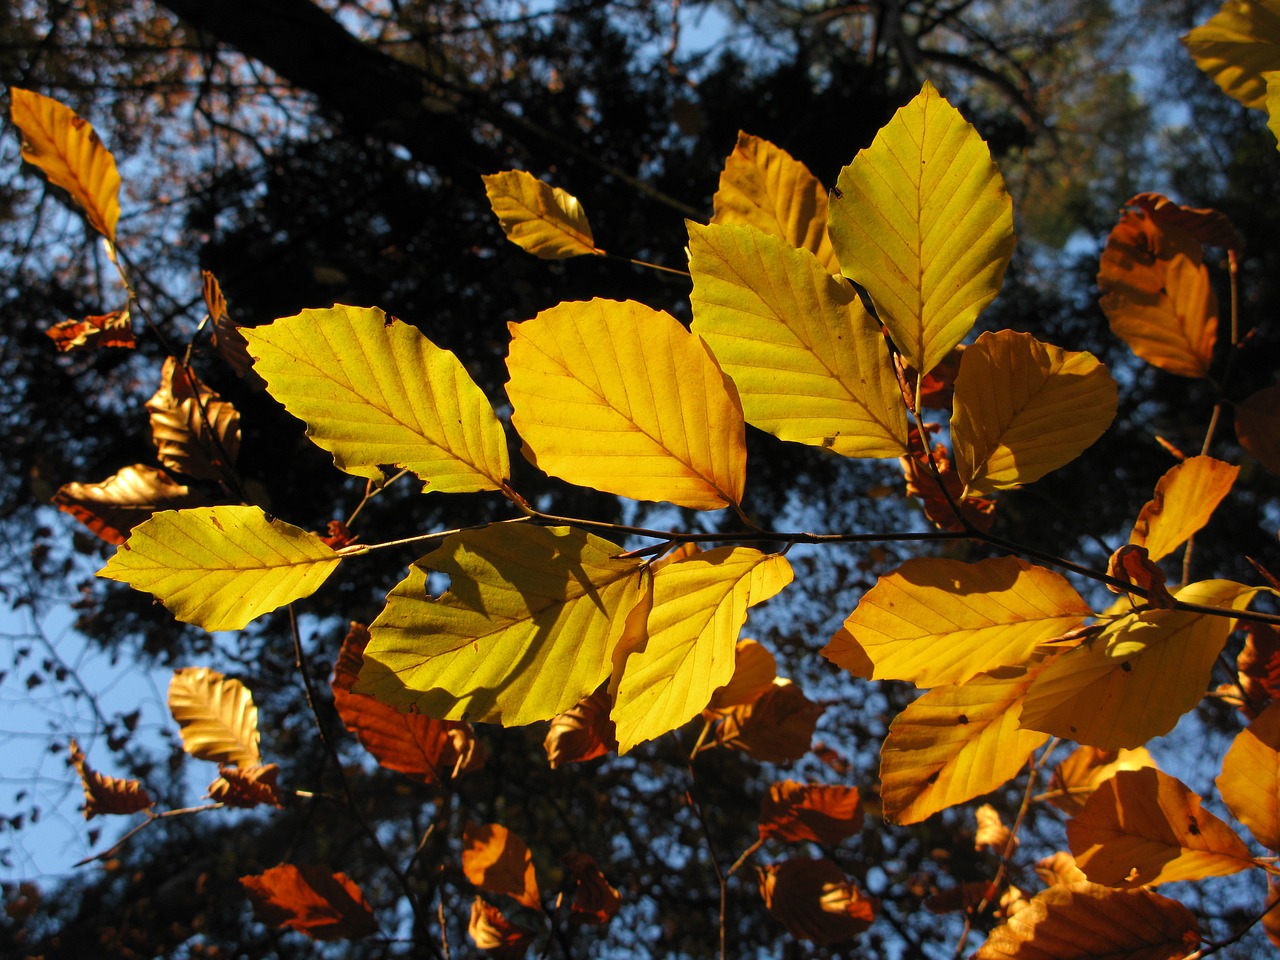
(114, 329)
(809, 811)
(118, 504)
(592, 899)
(815, 901)
(195, 431)
(227, 338)
(107, 795)
(581, 733)
(495, 934)
(775, 728)
(247, 786)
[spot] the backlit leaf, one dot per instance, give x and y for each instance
(763, 186)
(219, 567)
(498, 861)
(542, 219)
(195, 431)
(581, 733)
(796, 812)
(1144, 827)
(1185, 499)
(118, 504)
(699, 607)
(312, 900)
(1258, 427)
(497, 936)
(107, 795)
(1238, 46)
(935, 621)
(814, 900)
(374, 391)
(1211, 228)
(776, 727)
(1076, 778)
(69, 153)
(809, 363)
(921, 219)
(216, 716)
(227, 338)
(622, 398)
(754, 670)
(1250, 778)
(1272, 105)
(247, 787)
(1024, 408)
(941, 495)
(592, 899)
(113, 329)
(528, 629)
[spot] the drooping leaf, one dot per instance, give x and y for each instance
(1258, 427)
(195, 431)
(763, 186)
(497, 936)
(592, 899)
(1132, 566)
(1210, 228)
(1024, 408)
(776, 727)
(622, 398)
(581, 733)
(312, 900)
(1238, 46)
(114, 329)
(1250, 778)
(542, 219)
(107, 795)
(527, 631)
(1084, 921)
(796, 812)
(374, 391)
(754, 670)
(921, 219)
(1185, 499)
(497, 860)
(955, 743)
(814, 900)
(810, 364)
(220, 567)
(991, 833)
(118, 504)
(1076, 778)
(227, 338)
(1144, 827)
(936, 621)
(67, 150)
(699, 607)
(216, 716)
(247, 787)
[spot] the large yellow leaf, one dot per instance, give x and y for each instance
(699, 606)
(935, 621)
(620, 397)
(219, 567)
(1238, 47)
(1134, 681)
(809, 363)
(1185, 499)
(956, 743)
(374, 391)
(922, 220)
(527, 630)
(1024, 408)
(216, 716)
(69, 153)
(763, 186)
(1250, 778)
(1144, 827)
(540, 218)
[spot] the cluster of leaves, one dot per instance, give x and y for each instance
(833, 321)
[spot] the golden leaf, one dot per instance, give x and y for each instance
(1250, 780)
(1238, 47)
(1185, 499)
(542, 219)
(118, 504)
(754, 670)
(216, 716)
(1076, 778)
(497, 861)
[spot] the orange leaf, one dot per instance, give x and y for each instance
(809, 811)
(979, 511)
(312, 900)
(815, 901)
(775, 728)
(1209, 227)
(1131, 564)
(1059, 868)
(195, 431)
(247, 786)
(593, 900)
(1076, 778)
(583, 732)
(1258, 664)
(754, 670)
(1258, 427)
(498, 861)
(118, 504)
(495, 934)
(107, 795)
(113, 329)
(992, 833)
(227, 338)
(1185, 499)
(1271, 919)
(1250, 780)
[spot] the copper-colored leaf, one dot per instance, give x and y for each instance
(495, 934)
(195, 431)
(1258, 664)
(1271, 919)
(113, 329)
(583, 732)
(1131, 564)
(1059, 868)
(312, 900)
(777, 727)
(592, 900)
(118, 504)
(107, 795)
(1258, 427)
(754, 670)
(216, 714)
(938, 498)
(1076, 778)
(227, 338)
(1250, 778)
(809, 811)
(1185, 499)
(815, 901)
(247, 787)
(1208, 227)
(498, 861)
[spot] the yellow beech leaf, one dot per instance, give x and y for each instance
(69, 153)
(622, 398)
(538, 217)
(373, 391)
(1238, 46)
(1185, 498)
(1258, 427)
(1145, 671)
(216, 716)
(1084, 921)
(763, 186)
(955, 743)
(1144, 827)
(1024, 408)
(220, 567)
(528, 629)
(935, 621)
(1250, 780)
(921, 219)
(1076, 778)
(699, 606)
(809, 362)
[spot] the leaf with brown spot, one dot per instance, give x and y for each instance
(497, 860)
(815, 901)
(113, 329)
(497, 936)
(107, 795)
(775, 728)
(311, 900)
(796, 812)
(247, 787)
(592, 899)
(581, 733)
(118, 504)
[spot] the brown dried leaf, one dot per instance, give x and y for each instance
(1076, 778)
(582, 733)
(217, 717)
(1258, 664)
(1258, 427)
(776, 728)
(227, 338)
(921, 483)
(809, 811)
(248, 787)
(196, 433)
(118, 504)
(311, 900)
(113, 329)
(815, 901)
(107, 795)
(497, 936)
(754, 670)
(497, 861)
(1208, 227)
(592, 900)
(1131, 564)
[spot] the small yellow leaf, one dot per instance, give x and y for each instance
(1273, 123)
(216, 715)
(70, 154)
(1238, 47)
(810, 364)
(922, 220)
(622, 398)
(1185, 499)
(541, 219)
(1024, 408)
(1250, 778)
(374, 391)
(220, 567)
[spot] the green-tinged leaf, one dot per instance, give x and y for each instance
(1250, 778)
(527, 629)
(935, 621)
(1185, 499)
(220, 567)
(1145, 671)
(810, 364)
(955, 743)
(540, 218)
(699, 606)
(216, 716)
(763, 186)
(374, 391)
(922, 220)
(1024, 408)
(1238, 47)
(622, 398)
